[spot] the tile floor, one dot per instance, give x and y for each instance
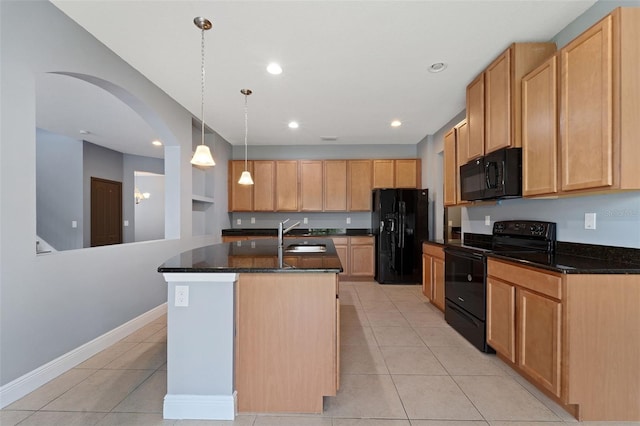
(402, 365)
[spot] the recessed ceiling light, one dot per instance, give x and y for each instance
(396, 123)
(157, 143)
(438, 67)
(85, 132)
(293, 125)
(274, 68)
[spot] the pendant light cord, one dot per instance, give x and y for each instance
(246, 130)
(202, 85)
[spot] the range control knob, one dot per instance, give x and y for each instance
(499, 227)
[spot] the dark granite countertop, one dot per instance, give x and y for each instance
(297, 232)
(256, 256)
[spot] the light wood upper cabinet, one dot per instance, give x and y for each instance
(264, 178)
(335, 185)
(311, 185)
(408, 173)
(240, 196)
(599, 108)
(475, 118)
(360, 184)
(539, 130)
(287, 185)
(383, 174)
(498, 103)
(462, 141)
(450, 168)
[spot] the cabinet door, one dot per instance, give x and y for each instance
(475, 118)
(287, 185)
(450, 170)
(361, 258)
(438, 283)
(498, 103)
(335, 186)
(311, 188)
(360, 181)
(383, 173)
(240, 196)
(264, 176)
(539, 130)
(586, 109)
(462, 142)
(501, 317)
(407, 173)
(539, 331)
(427, 274)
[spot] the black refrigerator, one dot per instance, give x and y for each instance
(400, 224)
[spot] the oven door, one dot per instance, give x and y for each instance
(465, 274)
(472, 180)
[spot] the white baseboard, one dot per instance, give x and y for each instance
(29, 382)
(199, 407)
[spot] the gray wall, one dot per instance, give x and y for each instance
(149, 213)
(131, 164)
(39, 321)
(59, 190)
(618, 215)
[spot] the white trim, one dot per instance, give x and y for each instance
(200, 407)
(29, 382)
(224, 277)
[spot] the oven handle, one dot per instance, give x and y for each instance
(465, 254)
(463, 314)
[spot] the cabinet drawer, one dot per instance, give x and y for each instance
(433, 250)
(361, 240)
(522, 276)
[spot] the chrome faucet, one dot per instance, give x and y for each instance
(282, 231)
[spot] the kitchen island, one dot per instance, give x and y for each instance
(252, 327)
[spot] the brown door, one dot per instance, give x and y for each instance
(106, 212)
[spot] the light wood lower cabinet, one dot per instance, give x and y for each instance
(574, 336)
(433, 274)
(361, 257)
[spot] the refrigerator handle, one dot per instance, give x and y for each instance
(381, 225)
(401, 231)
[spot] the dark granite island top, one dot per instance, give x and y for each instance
(256, 256)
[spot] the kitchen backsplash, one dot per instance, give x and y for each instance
(314, 220)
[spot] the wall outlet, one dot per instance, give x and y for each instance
(348, 221)
(487, 220)
(126, 223)
(74, 223)
(238, 221)
(182, 296)
(589, 221)
(253, 220)
(305, 220)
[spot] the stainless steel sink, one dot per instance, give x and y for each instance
(306, 248)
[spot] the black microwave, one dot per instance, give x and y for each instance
(496, 175)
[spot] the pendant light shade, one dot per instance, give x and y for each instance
(202, 156)
(245, 177)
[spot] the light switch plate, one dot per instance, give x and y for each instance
(182, 296)
(589, 221)
(487, 220)
(238, 221)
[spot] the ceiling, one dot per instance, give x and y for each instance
(350, 67)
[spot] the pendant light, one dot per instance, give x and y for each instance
(202, 156)
(245, 178)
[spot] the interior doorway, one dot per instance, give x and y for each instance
(106, 212)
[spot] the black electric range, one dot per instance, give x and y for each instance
(466, 271)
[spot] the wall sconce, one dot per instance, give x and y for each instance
(139, 196)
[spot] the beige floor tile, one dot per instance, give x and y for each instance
(461, 361)
(396, 336)
(158, 337)
(425, 319)
(51, 390)
(387, 319)
(503, 398)
(365, 396)
(550, 404)
(352, 316)
(434, 398)
(509, 423)
(413, 306)
(55, 418)
(356, 335)
(370, 295)
(135, 419)
(147, 398)
(379, 306)
(12, 418)
(448, 423)
(144, 356)
(161, 320)
(242, 420)
(370, 422)
(104, 357)
(143, 333)
(440, 336)
(362, 359)
(411, 360)
(292, 421)
(100, 392)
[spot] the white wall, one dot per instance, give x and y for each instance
(52, 304)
